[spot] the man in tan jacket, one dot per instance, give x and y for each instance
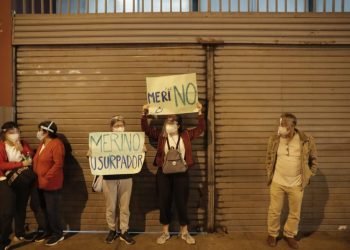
(290, 162)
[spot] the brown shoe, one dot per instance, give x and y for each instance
(271, 241)
(292, 243)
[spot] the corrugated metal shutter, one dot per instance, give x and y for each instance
(81, 88)
(238, 28)
(254, 85)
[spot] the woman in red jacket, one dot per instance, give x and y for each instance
(173, 186)
(48, 165)
(14, 153)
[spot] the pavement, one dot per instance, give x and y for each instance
(216, 241)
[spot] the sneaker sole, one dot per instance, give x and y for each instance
(38, 241)
(55, 243)
(162, 243)
(128, 243)
(110, 242)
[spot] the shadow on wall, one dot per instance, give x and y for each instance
(75, 193)
(143, 199)
(313, 206)
(314, 203)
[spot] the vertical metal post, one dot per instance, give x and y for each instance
(14, 81)
(68, 7)
(210, 138)
(24, 6)
(78, 7)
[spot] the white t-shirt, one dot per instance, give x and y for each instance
(13, 154)
(172, 143)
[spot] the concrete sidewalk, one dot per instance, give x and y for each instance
(237, 241)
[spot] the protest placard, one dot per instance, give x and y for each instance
(176, 94)
(116, 152)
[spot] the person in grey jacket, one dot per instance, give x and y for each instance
(291, 160)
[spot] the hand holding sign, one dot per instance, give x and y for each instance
(177, 94)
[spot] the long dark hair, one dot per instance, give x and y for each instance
(179, 122)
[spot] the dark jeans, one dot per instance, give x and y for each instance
(173, 186)
(35, 206)
(13, 205)
(7, 211)
(51, 203)
(21, 201)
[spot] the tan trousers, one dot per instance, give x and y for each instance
(117, 192)
(294, 197)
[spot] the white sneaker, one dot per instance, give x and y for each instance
(163, 238)
(188, 238)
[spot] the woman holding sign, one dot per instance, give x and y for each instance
(117, 191)
(173, 158)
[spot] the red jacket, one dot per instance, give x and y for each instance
(4, 162)
(49, 165)
(187, 136)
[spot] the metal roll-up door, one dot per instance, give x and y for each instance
(81, 88)
(254, 85)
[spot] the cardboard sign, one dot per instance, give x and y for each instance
(116, 152)
(176, 94)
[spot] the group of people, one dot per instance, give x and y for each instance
(291, 160)
(17, 160)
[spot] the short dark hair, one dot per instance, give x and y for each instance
(291, 117)
(6, 127)
(117, 118)
(47, 126)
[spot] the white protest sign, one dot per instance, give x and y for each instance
(176, 94)
(116, 152)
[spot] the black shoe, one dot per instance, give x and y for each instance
(127, 238)
(5, 246)
(53, 240)
(41, 236)
(112, 235)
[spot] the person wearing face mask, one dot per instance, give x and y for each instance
(291, 160)
(173, 186)
(48, 165)
(117, 190)
(14, 153)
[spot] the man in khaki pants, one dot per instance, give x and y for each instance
(290, 162)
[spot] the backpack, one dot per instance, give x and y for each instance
(173, 162)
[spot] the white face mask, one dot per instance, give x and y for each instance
(282, 131)
(13, 137)
(119, 129)
(171, 128)
(40, 135)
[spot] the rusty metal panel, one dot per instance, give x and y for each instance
(254, 85)
(81, 88)
(175, 28)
